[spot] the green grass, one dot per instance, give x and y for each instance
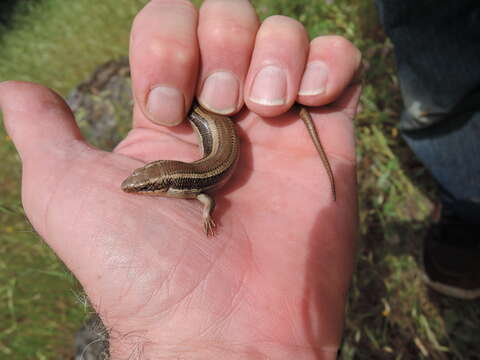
(55, 43)
(390, 313)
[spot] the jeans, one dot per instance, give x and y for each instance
(437, 49)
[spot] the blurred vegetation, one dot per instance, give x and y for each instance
(391, 315)
(56, 43)
(9, 7)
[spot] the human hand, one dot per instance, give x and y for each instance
(272, 282)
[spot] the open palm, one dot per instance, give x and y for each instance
(273, 279)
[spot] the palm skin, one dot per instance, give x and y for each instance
(272, 281)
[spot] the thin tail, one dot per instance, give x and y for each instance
(307, 119)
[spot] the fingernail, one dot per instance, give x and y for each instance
(166, 105)
(269, 87)
(220, 92)
(314, 81)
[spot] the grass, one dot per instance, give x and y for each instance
(55, 43)
(390, 313)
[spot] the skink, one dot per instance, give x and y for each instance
(220, 145)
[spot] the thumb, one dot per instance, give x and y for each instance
(36, 118)
(46, 136)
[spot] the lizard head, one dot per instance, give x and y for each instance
(142, 181)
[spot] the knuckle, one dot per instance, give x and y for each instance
(338, 45)
(169, 50)
(283, 27)
(225, 33)
(283, 20)
(155, 10)
(343, 44)
(182, 4)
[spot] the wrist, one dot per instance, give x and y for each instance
(139, 348)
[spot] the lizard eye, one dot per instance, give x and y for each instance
(137, 171)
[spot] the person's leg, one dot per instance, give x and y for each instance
(451, 151)
(437, 49)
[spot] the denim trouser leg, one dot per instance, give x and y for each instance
(437, 48)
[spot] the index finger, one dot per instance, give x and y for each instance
(164, 61)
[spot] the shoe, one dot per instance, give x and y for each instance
(451, 259)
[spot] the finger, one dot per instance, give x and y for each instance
(226, 35)
(164, 60)
(332, 63)
(277, 65)
(37, 120)
(46, 136)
